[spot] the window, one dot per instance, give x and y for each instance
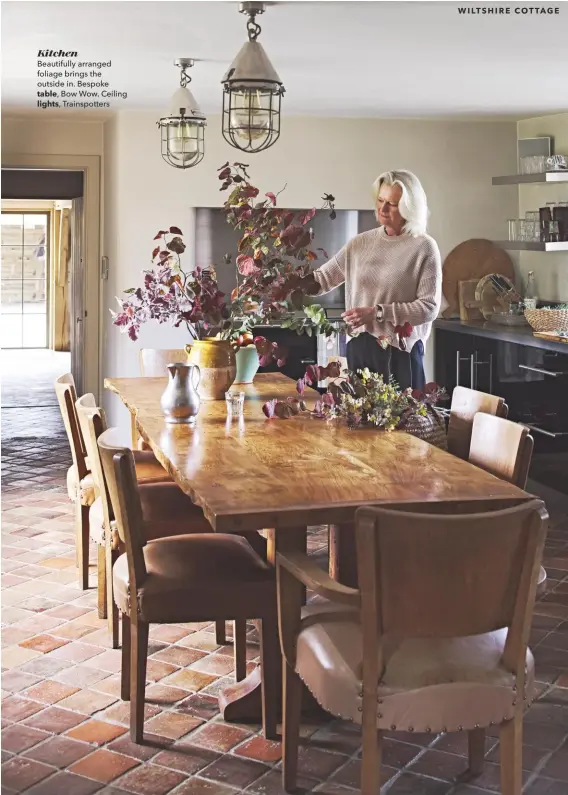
(25, 257)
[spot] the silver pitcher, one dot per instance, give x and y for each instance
(180, 401)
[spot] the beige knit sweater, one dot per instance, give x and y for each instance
(400, 272)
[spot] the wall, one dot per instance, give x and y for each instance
(32, 134)
(550, 268)
(455, 161)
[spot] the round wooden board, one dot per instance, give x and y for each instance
(472, 259)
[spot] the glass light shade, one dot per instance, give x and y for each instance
(250, 113)
(183, 143)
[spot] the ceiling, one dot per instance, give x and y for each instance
(358, 59)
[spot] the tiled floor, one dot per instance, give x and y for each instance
(65, 730)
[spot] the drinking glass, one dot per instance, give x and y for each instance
(553, 231)
(235, 402)
(512, 224)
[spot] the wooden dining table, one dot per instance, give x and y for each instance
(279, 476)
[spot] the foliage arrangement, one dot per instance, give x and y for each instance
(274, 254)
(362, 399)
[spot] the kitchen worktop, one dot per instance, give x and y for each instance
(520, 335)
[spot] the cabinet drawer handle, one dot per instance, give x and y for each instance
(545, 433)
(541, 370)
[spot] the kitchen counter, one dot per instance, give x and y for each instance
(521, 335)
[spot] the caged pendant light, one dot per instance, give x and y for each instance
(252, 92)
(182, 131)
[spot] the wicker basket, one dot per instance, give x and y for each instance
(547, 319)
(431, 428)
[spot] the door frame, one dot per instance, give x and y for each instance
(90, 165)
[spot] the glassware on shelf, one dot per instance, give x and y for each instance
(553, 232)
(512, 225)
(235, 403)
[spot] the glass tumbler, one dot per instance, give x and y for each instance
(235, 403)
(512, 225)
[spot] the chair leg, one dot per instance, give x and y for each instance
(476, 751)
(125, 663)
(220, 633)
(511, 745)
(82, 543)
(270, 662)
(112, 609)
(101, 581)
(138, 658)
(291, 714)
(371, 755)
(240, 649)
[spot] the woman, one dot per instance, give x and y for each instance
(392, 275)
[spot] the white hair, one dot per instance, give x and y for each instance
(413, 205)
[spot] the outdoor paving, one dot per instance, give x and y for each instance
(65, 729)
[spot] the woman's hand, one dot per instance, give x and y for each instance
(360, 316)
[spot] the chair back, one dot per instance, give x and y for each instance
(92, 421)
(501, 447)
(153, 361)
(120, 477)
(441, 576)
(67, 397)
(466, 403)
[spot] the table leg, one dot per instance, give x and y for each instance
(343, 554)
(241, 701)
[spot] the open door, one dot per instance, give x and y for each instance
(77, 294)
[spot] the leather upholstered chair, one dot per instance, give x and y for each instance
(166, 511)
(153, 361)
(466, 403)
(433, 640)
(80, 485)
(505, 449)
(194, 577)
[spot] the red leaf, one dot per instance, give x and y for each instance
(303, 218)
(175, 230)
(324, 252)
(155, 252)
(246, 266)
(268, 408)
(223, 166)
(272, 197)
(160, 234)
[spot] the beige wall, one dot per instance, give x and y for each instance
(455, 161)
(551, 267)
(35, 135)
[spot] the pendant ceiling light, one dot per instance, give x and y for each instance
(252, 93)
(183, 144)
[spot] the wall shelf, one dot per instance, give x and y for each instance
(521, 179)
(530, 245)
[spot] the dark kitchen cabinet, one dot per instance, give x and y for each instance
(532, 380)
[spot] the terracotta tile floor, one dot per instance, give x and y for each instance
(65, 730)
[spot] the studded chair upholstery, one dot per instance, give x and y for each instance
(433, 640)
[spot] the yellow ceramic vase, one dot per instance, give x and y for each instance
(217, 363)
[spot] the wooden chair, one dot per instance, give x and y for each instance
(466, 403)
(505, 449)
(201, 577)
(171, 512)
(80, 484)
(434, 640)
(153, 361)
